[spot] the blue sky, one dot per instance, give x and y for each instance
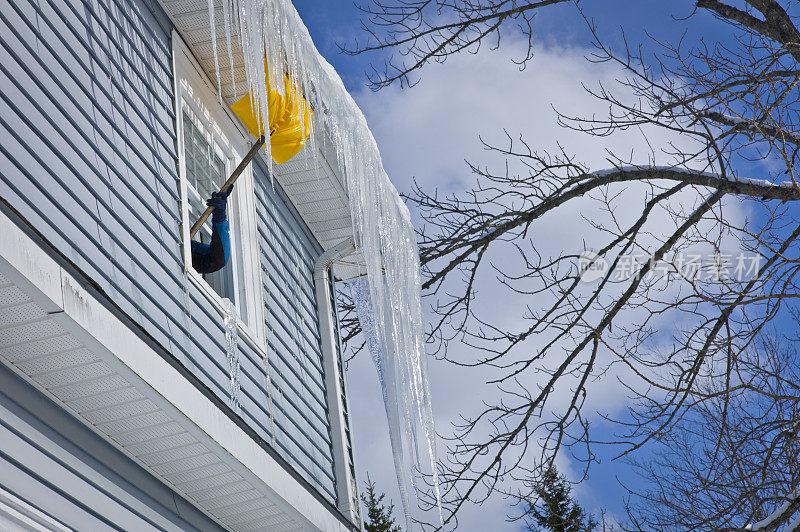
(337, 21)
(427, 131)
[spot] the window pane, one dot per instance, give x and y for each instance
(205, 172)
(205, 169)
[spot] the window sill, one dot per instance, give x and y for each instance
(244, 331)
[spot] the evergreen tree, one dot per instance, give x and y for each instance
(379, 516)
(555, 510)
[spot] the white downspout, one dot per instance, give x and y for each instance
(346, 490)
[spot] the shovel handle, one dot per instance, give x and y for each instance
(234, 176)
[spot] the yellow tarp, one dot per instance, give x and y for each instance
(289, 120)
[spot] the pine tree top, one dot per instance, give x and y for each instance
(554, 509)
(379, 515)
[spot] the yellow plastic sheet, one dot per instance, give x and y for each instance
(289, 120)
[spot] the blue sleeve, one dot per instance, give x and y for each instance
(223, 230)
(209, 258)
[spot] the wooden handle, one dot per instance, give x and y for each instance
(234, 176)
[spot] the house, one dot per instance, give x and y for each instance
(135, 393)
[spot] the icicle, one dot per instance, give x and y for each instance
(232, 351)
(187, 299)
(265, 360)
(359, 291)
(271, 406)
(382, 227)
(226, 15)
(211, 14)
(187, 315)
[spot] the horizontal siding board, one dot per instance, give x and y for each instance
(293, 334)
(66, 471)
(273, 236)
(287, 379)
(92, 54)
(290, 438)
(287, 334)
(290, 373)
(60, 205)
(307, 447)
(279, 283)
(315, 425)
(122, 48)
(279, 265)
(142, 37)
(51, 123)
(153, 24)
(294, 434)
(292, 255)
(277, 238)
(286, 339)
(17, 164)
(311, 452)
(214, 368)
(311, 456)
(94, 505)
(285, 323)
(47, 497)
(275, 200)
(78, 201)
(155, 313)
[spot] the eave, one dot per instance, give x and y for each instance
(60, 333)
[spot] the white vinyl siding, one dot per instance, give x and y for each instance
(91, 157)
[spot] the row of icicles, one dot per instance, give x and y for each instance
(270, 32)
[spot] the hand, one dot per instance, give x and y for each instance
(219, 200)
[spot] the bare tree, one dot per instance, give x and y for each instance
(682, 344)
(417, 32)
(734, 459)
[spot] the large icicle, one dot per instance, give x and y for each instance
(385, 367)
(383, 232)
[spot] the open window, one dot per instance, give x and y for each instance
(210, 145)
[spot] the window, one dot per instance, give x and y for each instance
(210, 145)
(206, 170)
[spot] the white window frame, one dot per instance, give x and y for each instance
(193, 89)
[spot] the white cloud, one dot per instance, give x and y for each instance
(426, 133)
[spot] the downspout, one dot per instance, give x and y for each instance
(345, 483)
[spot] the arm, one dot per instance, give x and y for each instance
(209, 258)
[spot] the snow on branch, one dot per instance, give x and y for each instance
(749, 126)
(781, 513)
(785, 191)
